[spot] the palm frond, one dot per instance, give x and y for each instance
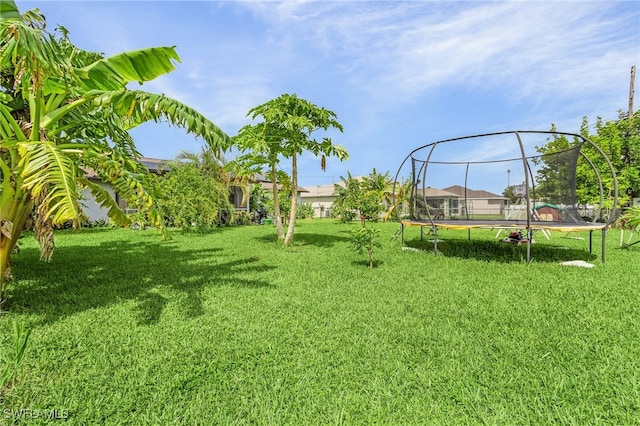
(631, 217)
(105, 200)
(9, 10)
(45, 166)
(9, 126)
(137, 107)
(88, 124)
(27, 49)
(115, 72)
(129, 178)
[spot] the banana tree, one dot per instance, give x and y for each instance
(65, 112)
(400, 193)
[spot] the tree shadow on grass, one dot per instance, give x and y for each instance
(496, 251)
(80, 278)
(364, 263)
(308, 239)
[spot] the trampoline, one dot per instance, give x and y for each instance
(448, 180)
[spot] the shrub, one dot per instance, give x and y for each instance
(305, 211)
(191, 198)
(243, 218)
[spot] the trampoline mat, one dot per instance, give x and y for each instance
(508, 224)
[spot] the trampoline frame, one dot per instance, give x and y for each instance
(530, 224)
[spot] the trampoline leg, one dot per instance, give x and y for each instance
(604, 234)
(402, 232)
(435, 240)
(590, 242)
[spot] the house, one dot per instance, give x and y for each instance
(90, 207)
(440, 202)
(267, 185)
(478, 202)
(94, 211)
(321, 198)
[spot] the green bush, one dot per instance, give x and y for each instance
(192, 199)
(305, 211)
(343, 213)
(243, 218)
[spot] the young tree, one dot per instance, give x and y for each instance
(261, 148)
(64, 111)
(364, 239)
(347, 202)
(286, 132)
(380, 184)
(364, 196)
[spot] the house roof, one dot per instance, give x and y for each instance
(268, 186)
(439, 193)
(552, 206)
(471, 193)
(321, 190)
(155, 165)
(327, 190)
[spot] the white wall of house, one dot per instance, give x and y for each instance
(321, 205)
(91, 208)
(321, 198)
(492, 206)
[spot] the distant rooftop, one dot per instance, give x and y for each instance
(321, 190)
(471, 193)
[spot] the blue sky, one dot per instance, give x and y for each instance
(398, 74)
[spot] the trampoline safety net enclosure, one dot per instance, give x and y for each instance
(458, 183)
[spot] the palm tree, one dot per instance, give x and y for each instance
(381, 185)
(64, 111)
(211, 162)
(630, 219)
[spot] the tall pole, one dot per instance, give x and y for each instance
(631, 91)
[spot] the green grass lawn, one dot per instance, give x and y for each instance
(231, 328)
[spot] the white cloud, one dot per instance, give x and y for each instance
(530, 49)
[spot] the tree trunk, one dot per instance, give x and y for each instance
(13, 216)
(276, 203)
(294, 200)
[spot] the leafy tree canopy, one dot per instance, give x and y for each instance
(619, 140)
(65, 115)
